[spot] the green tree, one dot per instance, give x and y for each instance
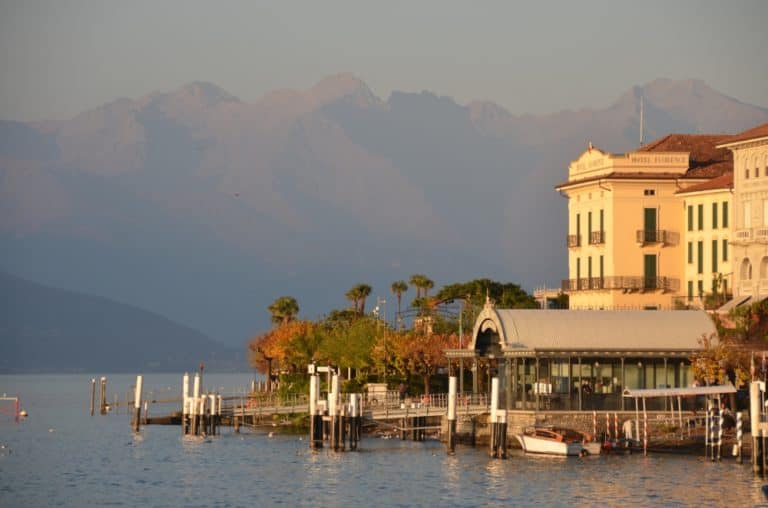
(506, 295)
(283, 310)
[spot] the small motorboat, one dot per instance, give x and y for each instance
(557, 441)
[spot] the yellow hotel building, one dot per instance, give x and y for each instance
(627, 225)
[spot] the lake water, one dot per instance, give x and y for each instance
(61, 456)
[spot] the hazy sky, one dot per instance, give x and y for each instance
(60, 57)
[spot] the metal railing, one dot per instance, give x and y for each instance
(597, 237)
(652, 236)
(574, 241)
(627, 283)
(743, 235)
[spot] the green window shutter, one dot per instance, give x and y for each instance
(690, 217)
(725, 214)
(714, 256)
(690, 290)
(714, 215)
(649, 271)
(700, 287)
(699, 257)
(690, 253)
(701, 217)
(725, 250)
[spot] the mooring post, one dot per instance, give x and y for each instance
(185, 403)
(194, 430)
(503, 434)
(494, 409)
(754, 420)
(212, 414)
(739, 436)
(354, 409)
(93, 394)
(137, 404)
(645, 429)
(333, 399)
(103, 396)
(451, 415)
(312, 410)
(720, 422)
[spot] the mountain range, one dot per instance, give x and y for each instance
(204, 208)
(44, 329)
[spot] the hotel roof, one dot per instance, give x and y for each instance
(707, 160)
(724, 181)
(761, 131)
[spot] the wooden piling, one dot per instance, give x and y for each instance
(754, 419)
(739, 436)
(194, 406)
(93, 394)
(492, 420)
(137, 404)
(103, 396)
(451, 415)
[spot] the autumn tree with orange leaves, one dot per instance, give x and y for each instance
(420, 354)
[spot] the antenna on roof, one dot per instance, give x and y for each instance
(641, 120)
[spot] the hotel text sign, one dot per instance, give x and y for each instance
(652, 160)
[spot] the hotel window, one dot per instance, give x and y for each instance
(690, 290)
(589, 226)
(725, 250)
(725, 214)
(578, 273)
(714, 215)
(649, 271)
(757, 171)
(690, 253)
(714, 256)
(699, 257)
(602, 231)
(589, 270)
(649, 192)
(746, 173)
(700, 288)
(601, 272)
(690, 218)
(578, 229)
(701, 217)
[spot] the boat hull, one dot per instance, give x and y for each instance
(532, 444)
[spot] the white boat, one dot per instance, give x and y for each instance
(556, 441)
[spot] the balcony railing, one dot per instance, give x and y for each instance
(574, 241)
(629, 283)
(653, 236)
(742, 235)
(597, 237)
(761, 234)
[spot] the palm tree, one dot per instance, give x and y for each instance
(417, 280)
(283, 310)
(364, 290)
(398, 288)
(353, 296)
(357, 295)
(427, 284)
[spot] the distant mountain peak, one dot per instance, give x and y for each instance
(486, 111)
(345, 86)
(207, 93)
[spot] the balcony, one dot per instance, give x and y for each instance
(662, 236)
(597, 237)
(574, 241)
(761, 235)
(742, 235)
(627, 284)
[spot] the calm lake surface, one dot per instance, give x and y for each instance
(61, 456)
